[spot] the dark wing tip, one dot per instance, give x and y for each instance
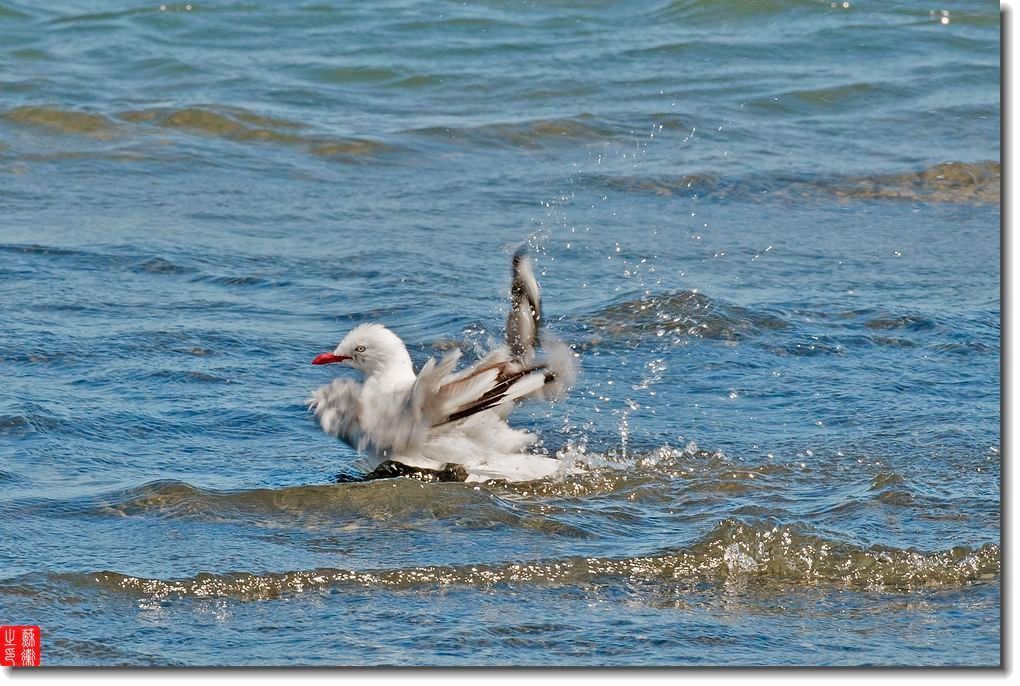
(520, 254)
(524, 319)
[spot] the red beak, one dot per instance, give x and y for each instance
(329, 358)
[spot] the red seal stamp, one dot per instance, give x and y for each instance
(20, 646)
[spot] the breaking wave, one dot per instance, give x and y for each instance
(733, 550)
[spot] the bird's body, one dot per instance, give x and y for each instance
(439, 418)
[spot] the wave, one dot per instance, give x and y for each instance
(19, 425)
(535, 133)
(229, 123)
(946, 182)
(517, 505)
(402, 502)
(680, 313)
(240, 125)
(180, 499)
(160, 265)
(734, 10)
(409, 499)
(710, 483)
(63, 121)
(733, 550)
(540, 133)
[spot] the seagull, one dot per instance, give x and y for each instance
(440, 423)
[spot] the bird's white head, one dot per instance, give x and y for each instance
(371, 348)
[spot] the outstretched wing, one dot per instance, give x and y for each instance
(525, 316)
(490, 385)
(511, 373)
(338, 408)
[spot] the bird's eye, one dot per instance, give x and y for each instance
(360, 349)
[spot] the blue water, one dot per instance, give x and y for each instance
(770, 229)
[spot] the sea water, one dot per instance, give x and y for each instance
(769, 230)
